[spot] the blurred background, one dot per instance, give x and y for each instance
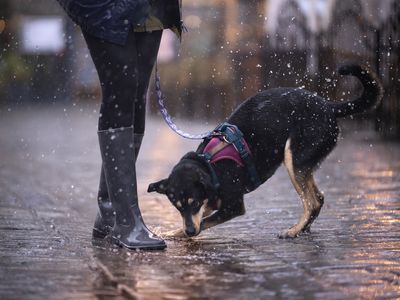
(232, 50)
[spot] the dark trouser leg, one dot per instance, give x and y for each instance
(124, 73)
(124, 77)
(147, 54)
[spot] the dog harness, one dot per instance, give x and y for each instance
(223, 150)
(227, 142)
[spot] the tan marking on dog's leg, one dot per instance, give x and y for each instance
(207, 211)
(317, 203)
(319, 195)
(288, 161)
(299, 182)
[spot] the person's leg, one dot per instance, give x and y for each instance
(118, 154)
(116, 108)
(105, 218)
(147, 46)
(116, 67)
(118, 73)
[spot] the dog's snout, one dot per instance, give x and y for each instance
(190, 231)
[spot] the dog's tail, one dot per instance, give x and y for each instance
(372, 95)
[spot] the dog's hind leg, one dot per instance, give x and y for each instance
(303, 182)
(318, 202)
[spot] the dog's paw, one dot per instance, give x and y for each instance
(288, 234)
(174, 234)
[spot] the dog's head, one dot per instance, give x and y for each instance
(189, 189)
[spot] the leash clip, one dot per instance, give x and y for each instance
(225, 139)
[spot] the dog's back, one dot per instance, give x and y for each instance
(272, 117)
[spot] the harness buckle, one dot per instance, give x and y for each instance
(225, 139)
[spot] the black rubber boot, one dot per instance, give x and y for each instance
(118, 153)
(105, 217)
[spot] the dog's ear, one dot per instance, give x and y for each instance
(159, 186)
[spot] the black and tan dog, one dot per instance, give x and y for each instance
(286, 125)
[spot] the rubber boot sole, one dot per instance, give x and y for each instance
(138, 247)
(98, 234)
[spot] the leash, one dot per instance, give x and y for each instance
(166, 116)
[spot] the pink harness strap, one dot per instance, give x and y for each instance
(229, 152)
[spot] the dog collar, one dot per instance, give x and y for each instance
(201, 158)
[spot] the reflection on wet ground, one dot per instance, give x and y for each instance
(48, 179)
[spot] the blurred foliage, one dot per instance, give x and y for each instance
(13, 67)
(15, 70)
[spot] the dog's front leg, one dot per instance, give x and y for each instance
(177, 233)
(222, 215)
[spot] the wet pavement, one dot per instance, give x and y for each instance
(49, 168)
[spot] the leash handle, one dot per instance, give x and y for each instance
(167, 117)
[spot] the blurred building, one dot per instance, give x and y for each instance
(233, 49)
(320, 35)
(236, 48)
(43, 57)
(218, 63)
(33, 64)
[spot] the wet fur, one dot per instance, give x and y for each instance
(283, 125)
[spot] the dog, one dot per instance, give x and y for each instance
(281, 125)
